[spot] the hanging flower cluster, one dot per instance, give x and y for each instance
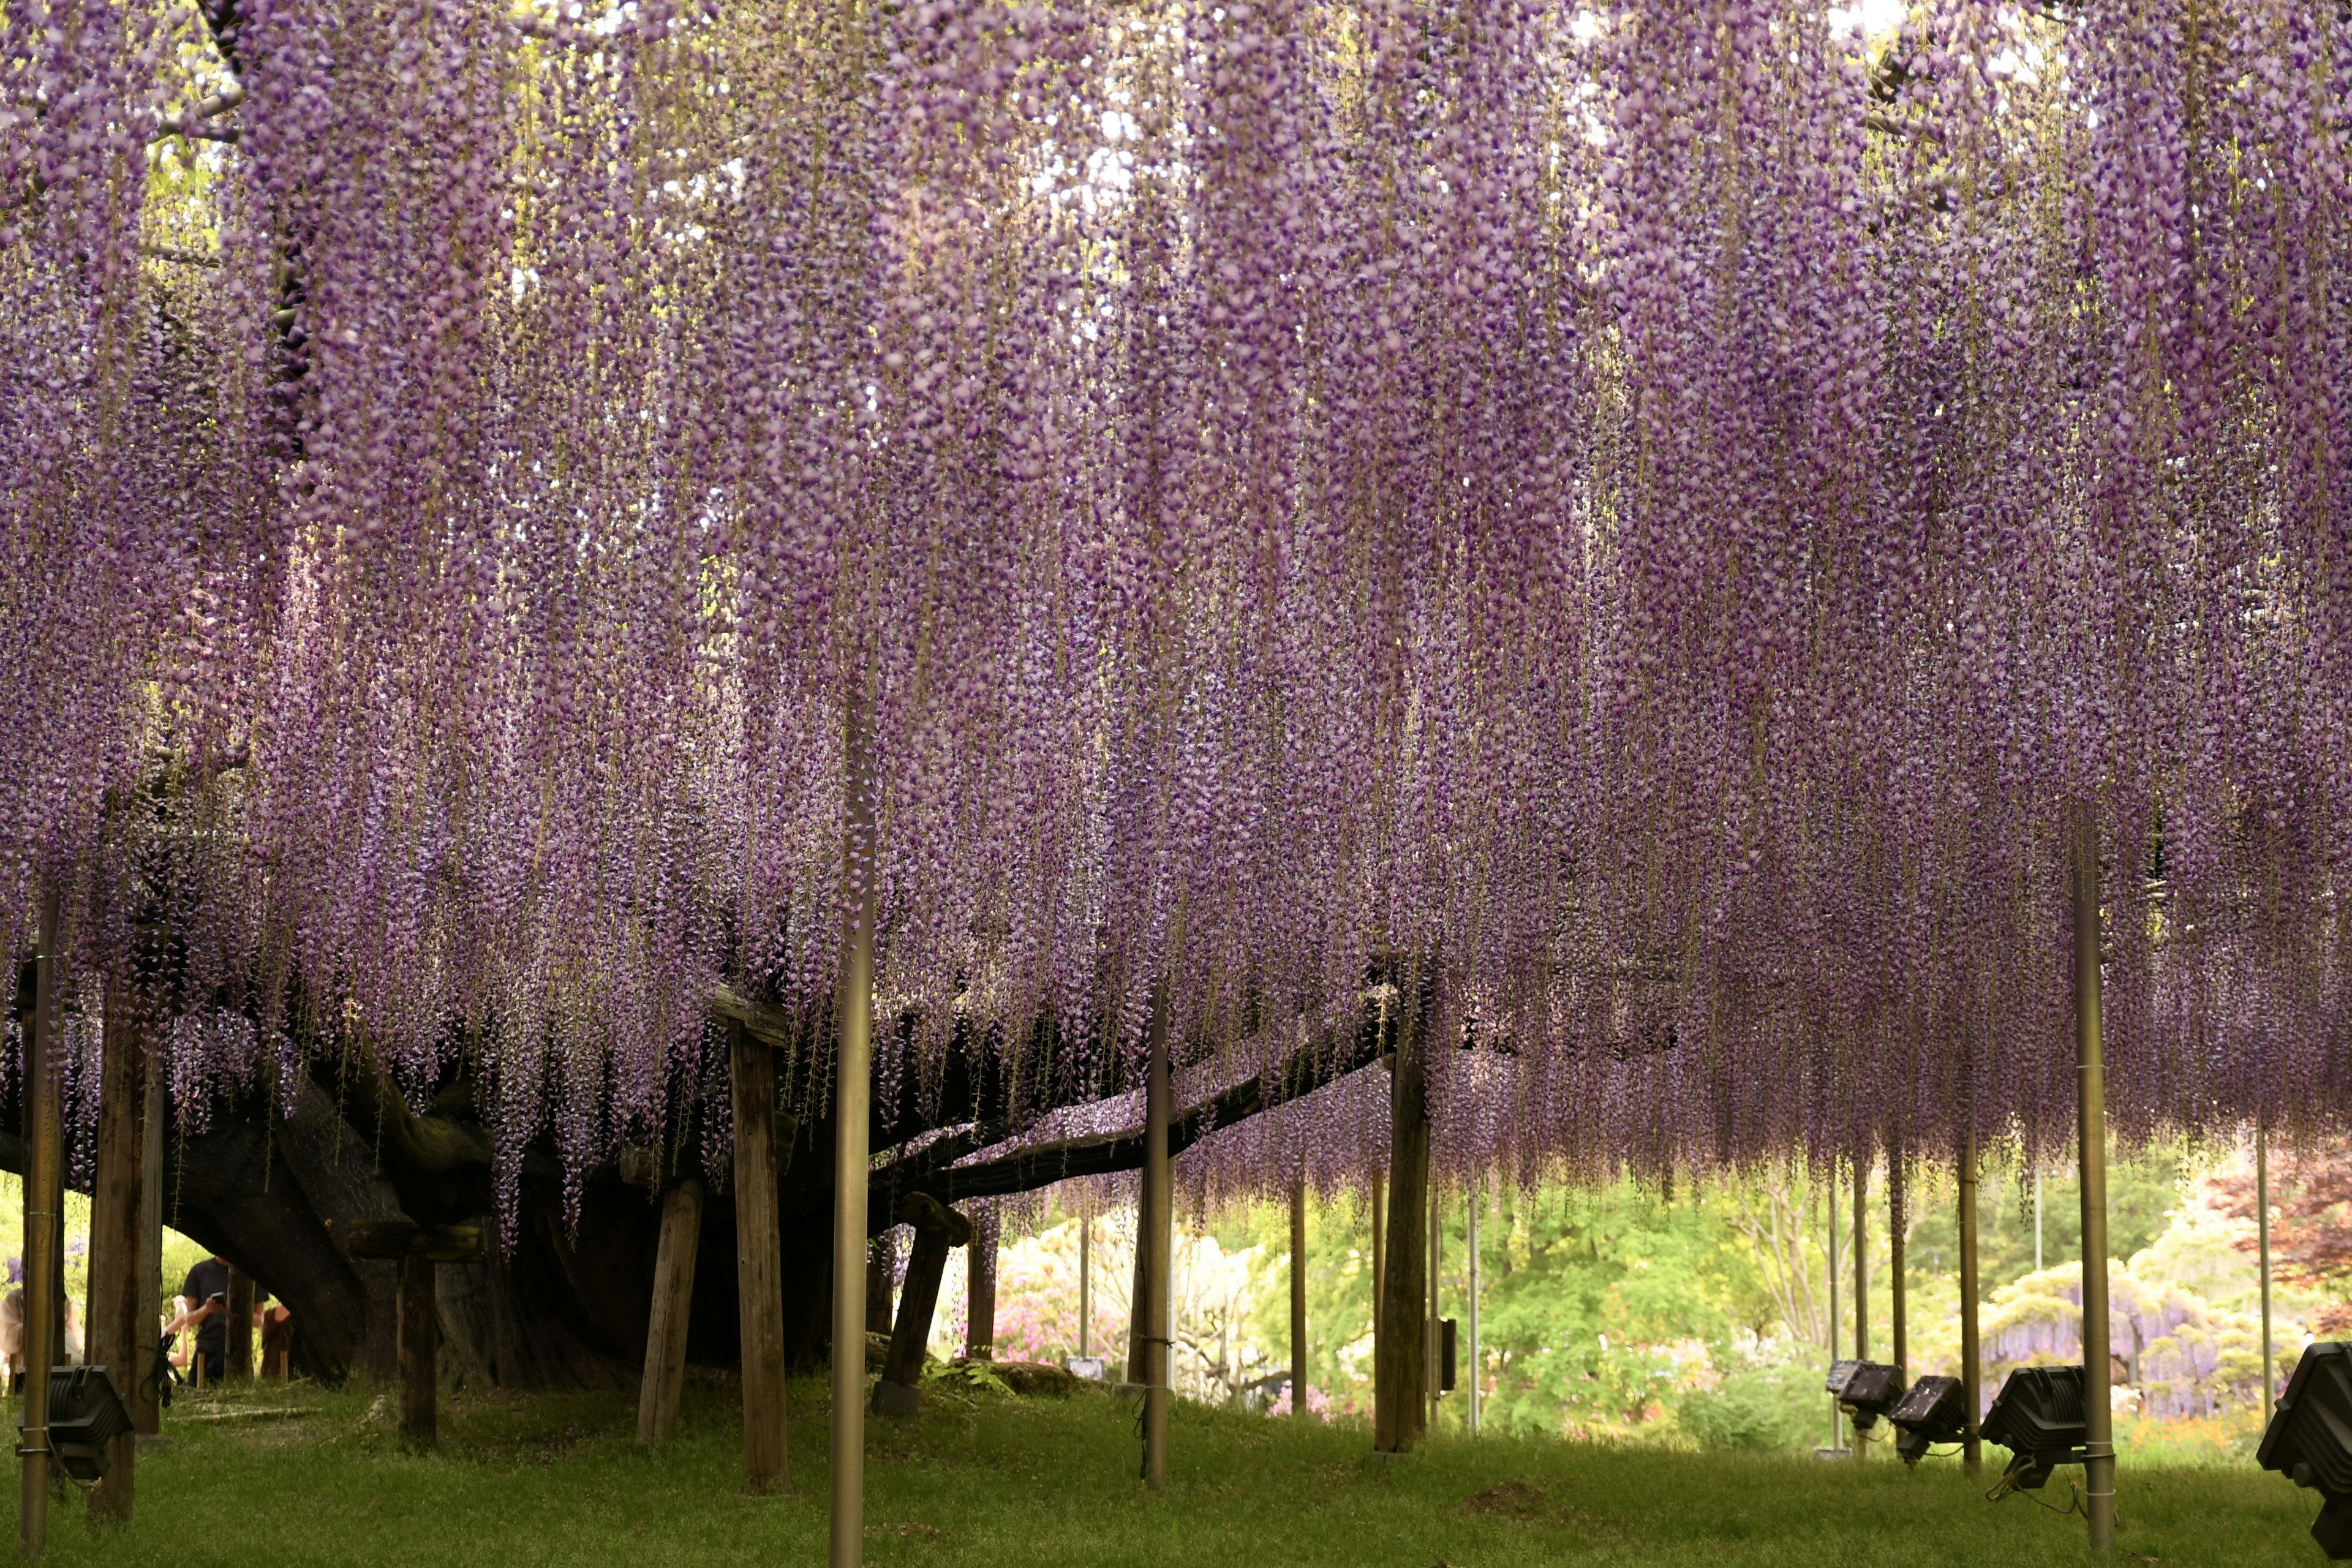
(1657, 520)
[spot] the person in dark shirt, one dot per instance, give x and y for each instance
(207, 1290)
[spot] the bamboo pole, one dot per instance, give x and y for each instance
(2098, 1414)
(1159, 1191)
(44, 1200)
(1298, 1295)
(1086, 1285)
(2263, 1227)
(852, 1135)
(1971, 1353)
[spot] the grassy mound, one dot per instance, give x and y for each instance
(310, 1476)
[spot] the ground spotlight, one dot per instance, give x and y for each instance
(85, 1415)
(2038, 1417)
(1865, 1390)
(1934, 1410)
(2309, 1440)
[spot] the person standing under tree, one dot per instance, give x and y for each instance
(207, 1289)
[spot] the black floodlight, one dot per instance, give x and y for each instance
(1871, 1390)
(1934, 1410)
(1840, 1371)
(2309, 1440)
(85, 1415)
(2038, 1417)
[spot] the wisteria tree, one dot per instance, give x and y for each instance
(1643, 529)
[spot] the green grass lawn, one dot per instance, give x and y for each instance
(982, 1479)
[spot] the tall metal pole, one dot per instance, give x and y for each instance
(2098, 1414)
(1476, 1188)
(43, 1199)
(1379, 1262)
(2262, 1225)
(2037, 1216)
(1160, 1203)
(1298, 1294)
(1971, 1351)
(852, 1161)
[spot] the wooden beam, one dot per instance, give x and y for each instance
(420, 1341)
(938, 1229)
(665, 1373)
(117, 1228)
(400, 1239)
(759, 1262)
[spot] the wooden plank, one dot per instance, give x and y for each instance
(759, 1263)
(117, 1227)
(400, 1239)
(420, 1342)
(665, 1374)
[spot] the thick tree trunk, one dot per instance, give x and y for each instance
(117, 1228)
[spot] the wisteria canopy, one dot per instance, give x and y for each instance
(1651, 522)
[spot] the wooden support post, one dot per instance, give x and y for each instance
(1086, 1285)
(979, 1289)
(420, 1343)
(1298, 1295)
(665, 1372)
(116, 1225)
(44, 1241)
(759, 1263)
(418, 1249)
(1379, 1205)
(1860, 1437)
(236, 1365)
(1897, 1320)
(2098, 1412)
(853, 1130)
(1159, 1188)
(1400, 1367)
(2262, 1241)
(144, 1390)
(1471, 1372)
(1972, 1345)
(1432, 1374)
(881, 1276)
(937, 1230)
